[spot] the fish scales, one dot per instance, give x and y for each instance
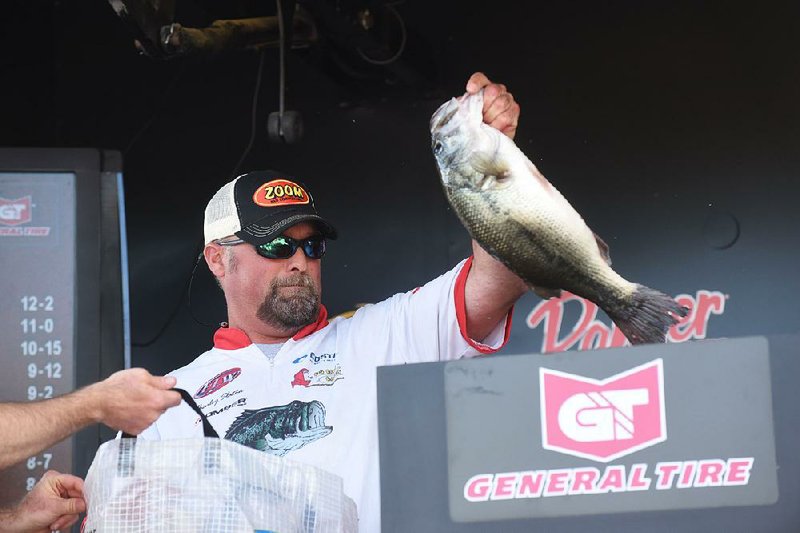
(532, 247)
(514, 213)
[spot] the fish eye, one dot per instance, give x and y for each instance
(437, 147)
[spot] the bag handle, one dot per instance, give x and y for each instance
(211, 453)
(208, 429)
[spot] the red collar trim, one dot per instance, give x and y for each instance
(226, 338)
(322, 321)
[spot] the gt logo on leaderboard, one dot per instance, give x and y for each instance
(604, 420)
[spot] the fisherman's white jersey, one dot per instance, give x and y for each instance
(316, 400)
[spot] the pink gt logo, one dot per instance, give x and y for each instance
(217, 382)
(605, 419)
(15, 212)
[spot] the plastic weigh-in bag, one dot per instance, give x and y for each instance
(209, 485)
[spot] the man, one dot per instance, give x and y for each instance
(129, 400)
(54, 504)
(282, 378)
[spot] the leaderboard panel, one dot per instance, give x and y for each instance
(63, 315)
(37, 258)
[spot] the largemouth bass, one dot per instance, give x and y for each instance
(517, 216)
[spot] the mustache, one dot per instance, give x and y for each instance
(294, 280)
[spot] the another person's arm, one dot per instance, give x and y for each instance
(129, 400)
(55, 503)
(491, 288)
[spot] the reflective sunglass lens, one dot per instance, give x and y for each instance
(278, 248)
(285, 247)
(315, 248)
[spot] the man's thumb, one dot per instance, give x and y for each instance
(67, 506)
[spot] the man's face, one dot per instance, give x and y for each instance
(282, 293)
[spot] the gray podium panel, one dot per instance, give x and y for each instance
(704, 439)
(655, 427)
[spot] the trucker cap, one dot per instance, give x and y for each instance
(259, 206)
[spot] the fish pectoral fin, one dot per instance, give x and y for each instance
(486, 183)
(545, 293)
(490, 165)
(489, 181)
(603, 248)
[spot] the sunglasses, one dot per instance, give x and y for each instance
(283, 247)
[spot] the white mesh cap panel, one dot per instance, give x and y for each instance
(222, 218)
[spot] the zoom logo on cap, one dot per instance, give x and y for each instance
(280, 192)
(604, 419)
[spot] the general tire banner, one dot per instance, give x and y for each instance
(653, 427)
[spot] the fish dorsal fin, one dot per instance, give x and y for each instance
(603, 248)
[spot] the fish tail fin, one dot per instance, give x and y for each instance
(648, 316)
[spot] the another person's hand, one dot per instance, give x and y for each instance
(130, 400)
(54, 503)
(500, 111)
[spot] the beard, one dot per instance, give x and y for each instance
(292, 311)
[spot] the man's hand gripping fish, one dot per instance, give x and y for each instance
(516, 215)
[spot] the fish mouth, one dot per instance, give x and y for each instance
(442, 116)
(311, 423)
(467, 107)
(315, 432)
(312, 417)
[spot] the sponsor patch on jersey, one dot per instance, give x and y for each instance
(315, 359)
(317, 377)
(217, 382)
(280, 192)
(241, 402)
(212, 402)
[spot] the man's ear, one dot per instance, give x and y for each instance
(215, 259)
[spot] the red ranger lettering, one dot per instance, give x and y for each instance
(589, 333)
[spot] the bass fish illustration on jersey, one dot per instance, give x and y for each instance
(279, 430)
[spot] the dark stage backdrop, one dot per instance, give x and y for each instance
(672, 127)
(673, 130)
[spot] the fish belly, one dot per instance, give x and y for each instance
(539, 237)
